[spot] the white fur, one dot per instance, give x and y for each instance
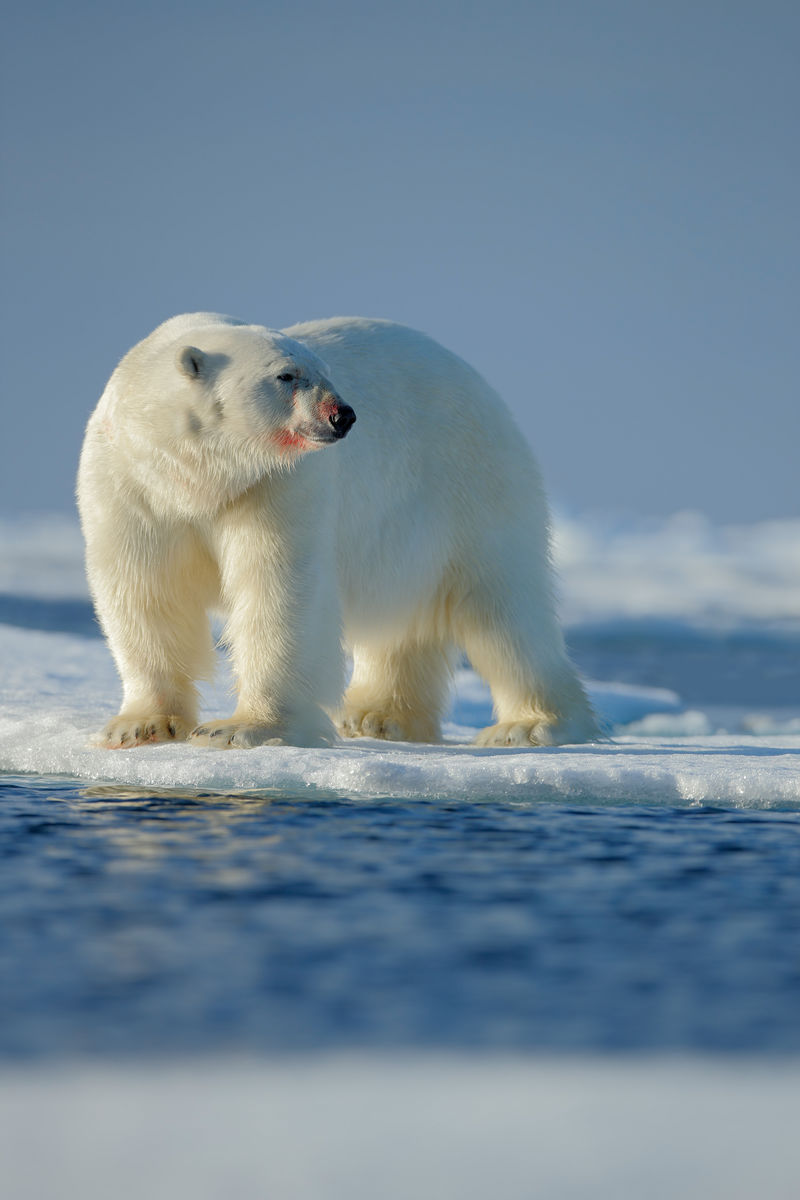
(423, 532)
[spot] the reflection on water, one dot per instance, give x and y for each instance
(134, 920)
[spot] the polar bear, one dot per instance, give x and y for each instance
(221, 471)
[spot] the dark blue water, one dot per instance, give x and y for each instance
(134, 923)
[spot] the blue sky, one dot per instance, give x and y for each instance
(594, 203)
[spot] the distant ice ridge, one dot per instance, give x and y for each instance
(57, 689)
(681, 568)
(42, 555)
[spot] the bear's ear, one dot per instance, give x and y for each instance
(191, 362)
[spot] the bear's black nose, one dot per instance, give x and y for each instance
(341, 419)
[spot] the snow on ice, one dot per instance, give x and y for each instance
(58, 687)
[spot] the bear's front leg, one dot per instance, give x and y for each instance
(279, 588)
(151, 592)
(152, 580)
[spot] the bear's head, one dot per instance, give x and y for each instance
(256, 389)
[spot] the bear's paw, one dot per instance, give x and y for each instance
(521, 733)
(235, 735)
(387, 726)
(125, 732)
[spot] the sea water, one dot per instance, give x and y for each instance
(151, 921)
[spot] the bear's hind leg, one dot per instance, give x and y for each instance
(398, 692)
(518, 648)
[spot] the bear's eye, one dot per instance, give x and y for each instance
(286, 377)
